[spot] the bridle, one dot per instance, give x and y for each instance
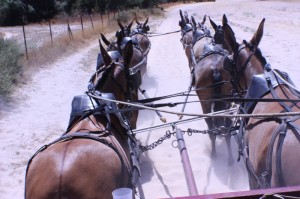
(105, 70)
(230, 64)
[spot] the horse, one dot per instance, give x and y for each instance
(201, 37)
(93, 157)
(138, 63)
(212, 83)
(186, 35)
(139, 34)
(270, 146)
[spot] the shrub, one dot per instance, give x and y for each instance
(10, 67)
(12, 12)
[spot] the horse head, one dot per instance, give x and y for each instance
(199, 29)
(184, 23)
(142, 27)
(247, 58)
(125, 30)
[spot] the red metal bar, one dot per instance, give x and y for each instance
(186, 164)
(293, 191)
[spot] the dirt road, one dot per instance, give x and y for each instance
(40, 110)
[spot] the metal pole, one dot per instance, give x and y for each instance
(192, 79)
(136, 131)
(188, 94)
(186, 163)
(163, 119)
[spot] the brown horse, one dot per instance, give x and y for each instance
(186, 36)
(211, 84)
(138, 63)
(270, 146)
(201, 37)
(139, 34)
(93, 157)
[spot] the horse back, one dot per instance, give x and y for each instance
(78, 168)
(199, 47)
(260, 132)
(143, 42)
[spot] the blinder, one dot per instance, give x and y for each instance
(228, 64)
(115, 56)
(136, 78)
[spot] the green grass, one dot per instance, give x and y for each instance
(10, 66)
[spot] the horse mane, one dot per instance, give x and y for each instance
(260, 57)
(257, 52)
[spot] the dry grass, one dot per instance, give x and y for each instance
(63, 45)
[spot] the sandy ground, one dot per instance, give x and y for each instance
(40, 110)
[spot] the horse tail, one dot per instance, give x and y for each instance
(216, 79)
(217, 89)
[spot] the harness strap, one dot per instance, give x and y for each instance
(213, 52)
(269, 77)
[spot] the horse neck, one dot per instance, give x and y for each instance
(253, 68)
(187, 38)
(136, 58)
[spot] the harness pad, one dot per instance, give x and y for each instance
(115, 55)
(257, 89)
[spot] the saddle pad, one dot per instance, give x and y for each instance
(82, 103)
(115, 56)
(257, 89)
(212, 47)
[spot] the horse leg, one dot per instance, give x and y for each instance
(212, 137)
(228, 142)
(229, 149)
(210, 125)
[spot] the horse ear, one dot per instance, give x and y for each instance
(119, 39)
(224, 20)
(186, 17)
(204, 19)
(137, 22)
(230, 38)
(258, 34)
(181, 16)
(105, 40)
(193, 21)
(215, 27)
(146, 21)
(129, 26)
(105, 56)
(120, 24)
(127, 53)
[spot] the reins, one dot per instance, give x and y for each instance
(161, 34)
(267, 115)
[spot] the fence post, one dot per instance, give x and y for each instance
(91, 18)
(69, 29)
(81, 24)
(25, 42)
(108, 18)
(50, 32)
